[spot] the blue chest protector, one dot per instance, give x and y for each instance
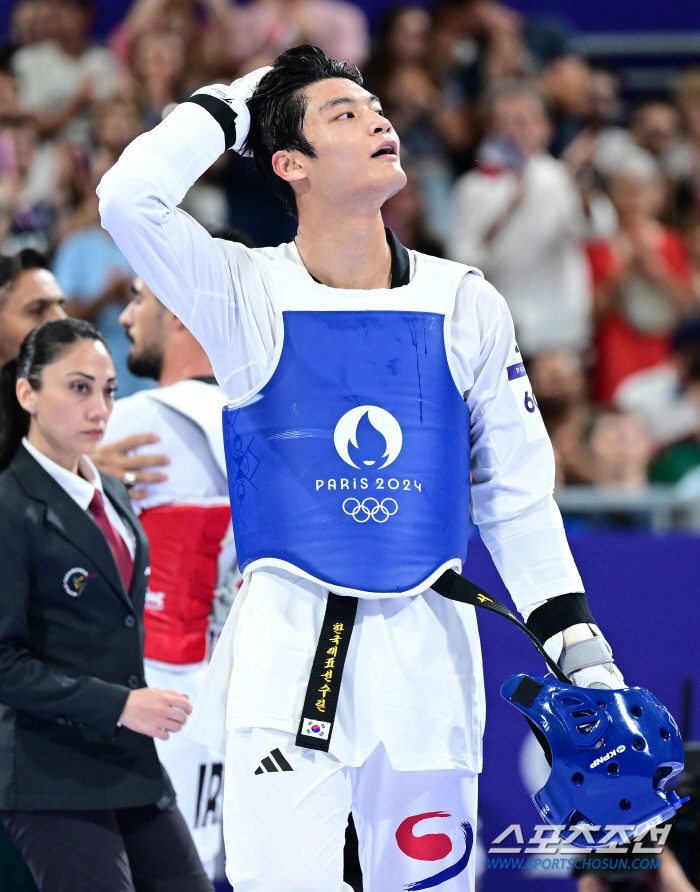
(351, 464)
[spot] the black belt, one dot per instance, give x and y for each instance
(321, 701)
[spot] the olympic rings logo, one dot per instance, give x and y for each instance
(362, 511)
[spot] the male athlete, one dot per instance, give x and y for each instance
(364, 383)
(187, 520)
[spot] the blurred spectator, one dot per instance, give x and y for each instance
(262, 29)
(601, 143)
(403, 40)
(566, 83)
(518, 217)
(692, 242)
(683, 162)
(681, 461)
(475, 43)
(158, 75)
(61, 77)
(202, 29)
(478, 42)
(620, 450)
(657, 394)
(95, 276)
(403, 214)
(559, 383)
(598, 148)
(642, 278)
(400, 76)
(10, 111)
(655, 128)
(115, 124)
(30, 23)
(28, 189)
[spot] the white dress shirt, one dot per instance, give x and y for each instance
(81, 488)
(537, 259)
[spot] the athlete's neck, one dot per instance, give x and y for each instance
(345, 251)
(183, 358)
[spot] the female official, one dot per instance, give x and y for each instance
(82, 793)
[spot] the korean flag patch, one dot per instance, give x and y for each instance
(527, 404)
(314, 728)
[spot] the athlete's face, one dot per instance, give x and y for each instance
(357, 164)
(143, 320)
(69, 412)
(36, 297)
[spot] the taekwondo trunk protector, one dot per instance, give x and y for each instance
(351, 464)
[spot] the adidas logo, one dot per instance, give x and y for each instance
(279, 763)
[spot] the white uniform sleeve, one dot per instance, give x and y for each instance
(511, 457)
(214, 287)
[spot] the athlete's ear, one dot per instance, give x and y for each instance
(289, 166)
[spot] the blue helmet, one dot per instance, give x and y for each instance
(611, 753)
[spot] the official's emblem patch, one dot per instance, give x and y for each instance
(75, 581)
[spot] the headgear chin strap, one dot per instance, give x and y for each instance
(611, 753)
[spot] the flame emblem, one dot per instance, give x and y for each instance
(381, 421)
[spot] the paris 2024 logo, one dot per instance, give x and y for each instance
(369, 439)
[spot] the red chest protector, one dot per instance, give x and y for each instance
(185, 545)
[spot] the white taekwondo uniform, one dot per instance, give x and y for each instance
(191, 582)
(407, 741)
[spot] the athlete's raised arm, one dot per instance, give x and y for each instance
(176, 257)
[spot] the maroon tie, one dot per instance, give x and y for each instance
(124, 561)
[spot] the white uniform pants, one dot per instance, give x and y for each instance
(195, 770)
(286, 808)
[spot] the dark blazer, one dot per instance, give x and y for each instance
(71, 650)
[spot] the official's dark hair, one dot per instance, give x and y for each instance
(12, 267)
(278, 106)
(42, 346)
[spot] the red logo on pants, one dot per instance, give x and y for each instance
(431, 847)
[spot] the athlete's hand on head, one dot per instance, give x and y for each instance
(115, 459)
(155, 713)
(236, 95)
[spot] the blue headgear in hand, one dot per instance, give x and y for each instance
(611, 754)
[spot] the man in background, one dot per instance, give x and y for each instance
(194, 574)
(518, 217)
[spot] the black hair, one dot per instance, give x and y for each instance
(12, 267)
(42, 346)
(277, 109)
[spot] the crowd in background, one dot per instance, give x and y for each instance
(527, 161)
